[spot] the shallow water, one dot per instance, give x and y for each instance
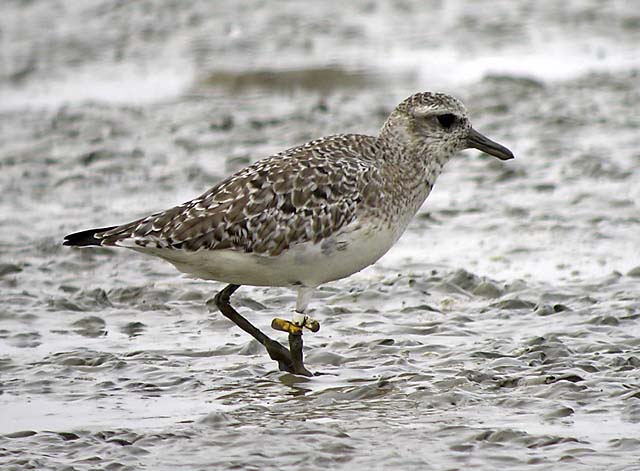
(502, 332)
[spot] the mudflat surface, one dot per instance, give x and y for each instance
(502, 332)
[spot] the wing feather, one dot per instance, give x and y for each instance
(306, 193)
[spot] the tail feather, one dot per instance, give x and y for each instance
(86, 238)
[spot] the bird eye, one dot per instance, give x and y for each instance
(447, 120)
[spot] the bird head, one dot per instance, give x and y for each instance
(438, 125)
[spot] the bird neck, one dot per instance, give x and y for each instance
(407, 177)
(409, 160)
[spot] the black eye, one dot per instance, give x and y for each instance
(447, 120)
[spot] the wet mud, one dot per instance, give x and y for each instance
(502, 332)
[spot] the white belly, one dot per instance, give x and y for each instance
(306, 264)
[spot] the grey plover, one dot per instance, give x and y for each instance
(308, 215)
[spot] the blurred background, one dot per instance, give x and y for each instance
(502, 329)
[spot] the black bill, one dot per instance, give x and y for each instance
(476, 140)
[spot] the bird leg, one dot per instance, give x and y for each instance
(300, 319)
(290, 361)
(294, 327)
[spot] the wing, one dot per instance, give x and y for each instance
(304, 194)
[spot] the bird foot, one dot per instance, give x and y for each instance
(294, 329)
(289, 360)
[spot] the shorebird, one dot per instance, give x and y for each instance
(309, 215)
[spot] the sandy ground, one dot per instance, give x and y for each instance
(502, 332)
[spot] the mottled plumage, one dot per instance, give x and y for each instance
(311, 214)
(304, 194)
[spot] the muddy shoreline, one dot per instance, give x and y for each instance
(500, 333)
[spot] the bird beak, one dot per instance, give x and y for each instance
(476, 140)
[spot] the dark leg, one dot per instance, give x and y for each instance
(287, 361)
(295, 346)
